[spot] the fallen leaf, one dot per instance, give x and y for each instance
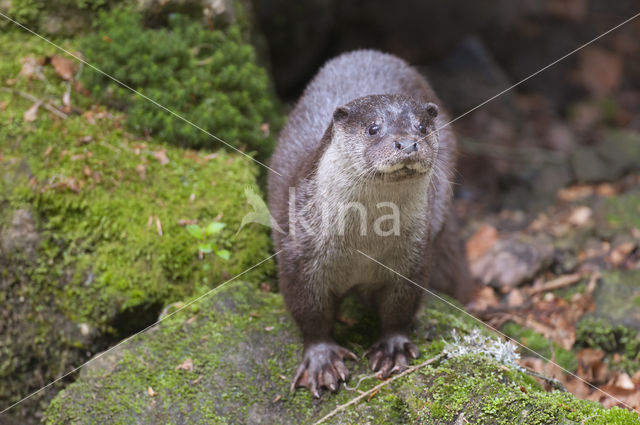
(3, 106)
(269, 328)
(580, 216)
(484, 298)
(264, 128)
(264, 287)
(277, 398)
(31, 114)
(187, 365)
(66, 99)
(187, 221)
(84, 140)
(142, 171)
(151, 392)
(158, 226)
(64, 67)
(624, 382)
(483, 239)
(48, 151)
(600, 70)
(515, 298)
(29, 67)
(195, 381)
(161, 156)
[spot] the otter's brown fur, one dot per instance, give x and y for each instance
(329, 155)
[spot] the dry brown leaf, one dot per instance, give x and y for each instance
(580, 216)
(66, 100)
(484, 298)
(264, 128)
(482, 240)
(264, 287)
(84, 140)
(187, 365)
(151, 392)
(64, 67)
(31, 114)
(29, 67)
(3, 106)
(600, 70)
(161, 156)
(142, 171)
(515, 298)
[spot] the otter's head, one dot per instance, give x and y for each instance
(387, 137)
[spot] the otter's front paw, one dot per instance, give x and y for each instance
(322, 367)
(389, 355)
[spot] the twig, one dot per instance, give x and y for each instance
(378, 387)
(551, 381)
(34, 99)
(557, 283)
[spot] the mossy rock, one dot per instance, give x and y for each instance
(615, 324)
(107, 251)
(243, 349)
(70, 17)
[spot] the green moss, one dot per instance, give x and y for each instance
(537, 343)
(99, 195)
(208, 77)
(245, 350)
(621, 212)
(599, 333)
(55, 16)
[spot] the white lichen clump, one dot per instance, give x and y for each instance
(475, 343)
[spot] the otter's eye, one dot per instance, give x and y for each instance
(422, 128)
(373, 129)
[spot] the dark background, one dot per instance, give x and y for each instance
(519, 149)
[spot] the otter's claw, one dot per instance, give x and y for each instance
(322, 367)
(390, 354)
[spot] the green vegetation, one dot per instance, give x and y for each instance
(203, 236)
(244, 351)
(110, 210)
(54, 16)
(208, 77)
(541, 345)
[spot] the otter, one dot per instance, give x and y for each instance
(366, 162)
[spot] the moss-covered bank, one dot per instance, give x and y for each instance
(92, 224)
(229, 359)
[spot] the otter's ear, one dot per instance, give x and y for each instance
(341, 113)
(432, 109)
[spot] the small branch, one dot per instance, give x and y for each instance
(34, 99)
(378, 387)
(557, 283)
(551, 381)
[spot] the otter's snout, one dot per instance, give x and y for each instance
(406, 146)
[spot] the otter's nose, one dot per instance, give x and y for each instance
(406, 146)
